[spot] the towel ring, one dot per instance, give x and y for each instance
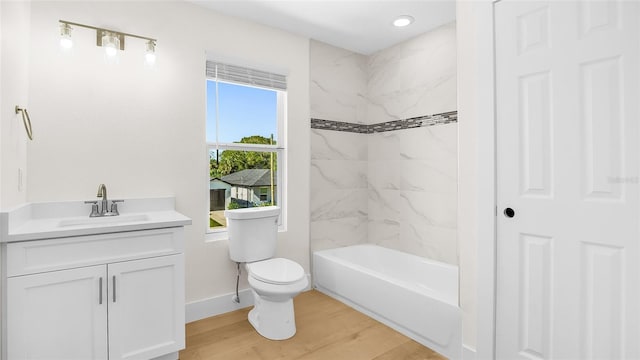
(26, 120)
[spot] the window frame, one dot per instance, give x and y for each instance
(217, 234)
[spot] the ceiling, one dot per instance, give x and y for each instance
(362, 26)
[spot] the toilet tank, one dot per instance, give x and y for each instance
(253, 233)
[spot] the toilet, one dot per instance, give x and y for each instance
(253, 235)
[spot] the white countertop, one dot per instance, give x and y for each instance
(36, 221)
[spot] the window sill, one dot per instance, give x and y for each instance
(223, 235)
(213, 236)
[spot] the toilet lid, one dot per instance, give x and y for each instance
(276, 271)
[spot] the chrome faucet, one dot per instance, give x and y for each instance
(102, 193)
(104, 211)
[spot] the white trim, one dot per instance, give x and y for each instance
(216, 305)
(201, 309)
(486, 250)
(223, 235)
(244, 146)
(170, 356)
(283, 160)
(215, 235)
(468, 353)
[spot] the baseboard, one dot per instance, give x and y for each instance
(220, 304)
(468, 353)
(172, 356)
(217, 305)
(309, 285)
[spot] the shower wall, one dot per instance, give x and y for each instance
(338, 85)
(384, 146)
(412, 172)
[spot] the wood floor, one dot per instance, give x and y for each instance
(326, 330)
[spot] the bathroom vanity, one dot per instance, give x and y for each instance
(75, 287)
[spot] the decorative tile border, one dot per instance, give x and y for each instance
(420, 121)
(339, 126)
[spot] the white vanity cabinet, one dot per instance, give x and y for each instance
(108, 296)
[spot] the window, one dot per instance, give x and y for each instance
(264, 195)
(245, 122)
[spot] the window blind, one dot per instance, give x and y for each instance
(247, 76)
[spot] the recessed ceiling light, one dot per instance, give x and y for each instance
(403, 20)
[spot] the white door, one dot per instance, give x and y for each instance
(146, 307)
(59, 315)
(567, 95)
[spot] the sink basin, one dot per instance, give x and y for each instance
(103, 220)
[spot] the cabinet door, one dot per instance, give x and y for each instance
(58, 315)
(146, 307)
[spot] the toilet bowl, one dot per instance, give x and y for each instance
(274, 283)
(253, 235)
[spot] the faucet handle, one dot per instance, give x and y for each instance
(94, 208)
(114, 206)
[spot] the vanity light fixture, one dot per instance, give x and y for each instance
(110, 40)
(403, 20)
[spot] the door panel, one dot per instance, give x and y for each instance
(146, 307)
(58, 315)
(535, 135)
(567, 100)
(535, 272)
(602, 127)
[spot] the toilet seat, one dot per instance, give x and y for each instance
(277, 271)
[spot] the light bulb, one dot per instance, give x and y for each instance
(111, 44)
(110, 50)
(150, 58)
(66, 43)
(403, 20)
(150, 53)
(65, 36)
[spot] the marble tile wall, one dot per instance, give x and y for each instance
(339, 192)
(414, 78)
(412, 177)
(390, 184)
(338, 85)
(412, 173)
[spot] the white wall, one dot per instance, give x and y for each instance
(14, 72)
(476, 187)
(14, 75)
(467, 174)
(141, 130)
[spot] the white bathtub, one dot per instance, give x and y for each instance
(415, 296)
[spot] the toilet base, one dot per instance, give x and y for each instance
(275, 320)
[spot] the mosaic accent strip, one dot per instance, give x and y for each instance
(415, 122)
(339, 126)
